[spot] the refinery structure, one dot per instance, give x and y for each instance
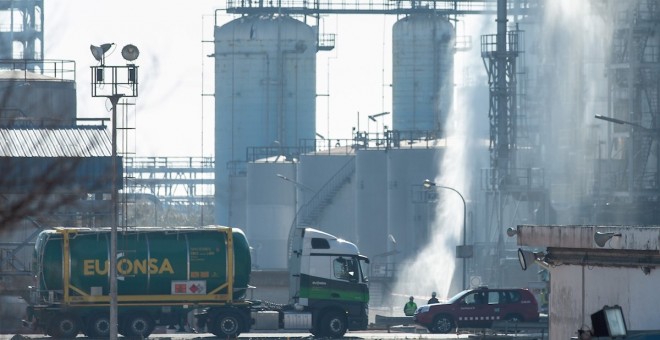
(561, 127)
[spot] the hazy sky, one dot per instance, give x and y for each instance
(171, 116)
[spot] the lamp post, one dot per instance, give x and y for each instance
(463, 252)
(122, 82)
(374, 116)
(652, 133)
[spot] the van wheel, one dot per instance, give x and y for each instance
(333, 324)
(442, 324)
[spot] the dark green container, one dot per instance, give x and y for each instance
(150, 261)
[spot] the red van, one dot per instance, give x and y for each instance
(478, 308)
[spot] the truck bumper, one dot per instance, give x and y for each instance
(358, 323)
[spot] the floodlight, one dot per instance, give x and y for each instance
(526, 258)
(99, 51)
(130, 52)
(601, 238)
(511, 232)
(609, 322)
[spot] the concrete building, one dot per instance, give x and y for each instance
(595, 266)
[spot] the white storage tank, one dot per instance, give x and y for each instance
(406, 171)
(265, 90)
(371, 204)
(423, 73)
(329, 177)
(270, 210)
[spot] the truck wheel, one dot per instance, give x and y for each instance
(64, 326)
(98, 326)
(139, 325)
(225, 324)
(442, 324)
(333, 325)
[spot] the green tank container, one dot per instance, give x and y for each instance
(189, 261)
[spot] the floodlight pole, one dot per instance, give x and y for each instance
(114, 100)
(111, 89)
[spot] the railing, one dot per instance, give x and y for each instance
(151, 164)
(513, 43)
(390, 139)
(63, 70)
(326, 41)
(519, 179)
(175, 179)
(275, 153)
(370, 6)
(311, 209)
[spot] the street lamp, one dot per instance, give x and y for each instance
(373, 119)
(463, 251)
(654, 132)
(296, 183)
(123, 82)
(645, 132)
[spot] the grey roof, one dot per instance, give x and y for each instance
(63, 142)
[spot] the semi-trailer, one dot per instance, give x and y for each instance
(165, 273)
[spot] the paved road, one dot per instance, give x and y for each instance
(374, 335)
(287, 336)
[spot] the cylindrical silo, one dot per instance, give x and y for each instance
(327, 196)
(371, 205)
(406, 171)
(265, 91)
(270, 212)
(423, 74)
(36, 98)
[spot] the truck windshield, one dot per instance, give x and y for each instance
(348, 268)
(362, 258)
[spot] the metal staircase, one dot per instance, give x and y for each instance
(312, 209)
(635, 89)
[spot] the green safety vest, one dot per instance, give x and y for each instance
(409, 308)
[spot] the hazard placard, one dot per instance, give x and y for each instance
(188, 287)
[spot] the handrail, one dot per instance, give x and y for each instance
(63, 70)
(315, 202)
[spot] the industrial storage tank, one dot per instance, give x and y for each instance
(371, 204)
(36, 99)
(327, 201)
(270, 211)
(265, 91)
(423, 74)
(149, 260)
(406, 171)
